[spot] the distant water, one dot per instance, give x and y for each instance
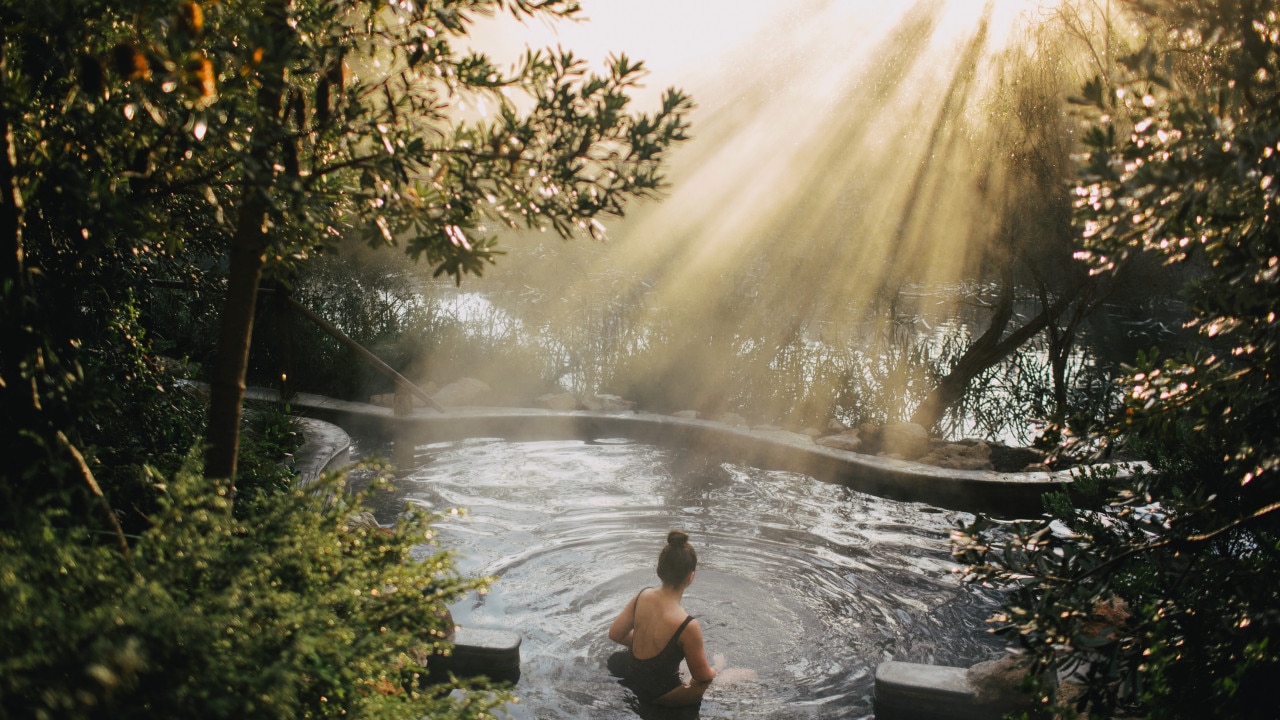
(809, 584)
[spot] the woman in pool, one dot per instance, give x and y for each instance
(660, 633)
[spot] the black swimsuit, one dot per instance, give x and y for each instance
(651, 678)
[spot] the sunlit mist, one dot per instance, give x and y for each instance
(844, 154)
(847, 144)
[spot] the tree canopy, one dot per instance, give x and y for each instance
(243, 137)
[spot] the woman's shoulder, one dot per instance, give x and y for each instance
(691, 625)
(690, 633)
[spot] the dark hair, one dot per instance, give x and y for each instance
(677, 559)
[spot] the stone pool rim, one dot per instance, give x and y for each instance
(997, 494)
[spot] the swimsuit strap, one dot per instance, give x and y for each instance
(688, 618)
(675, 638)
(636, 602)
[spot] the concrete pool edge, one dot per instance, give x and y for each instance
(1002, 495)
(914, 691)
(325, 447)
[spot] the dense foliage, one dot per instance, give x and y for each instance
(203, 142)
(208, 146)
(289, 614)
(1162, 588)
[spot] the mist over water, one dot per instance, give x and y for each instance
(829, 244)
(833, 236)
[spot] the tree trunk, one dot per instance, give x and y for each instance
(988, 350)
(226, 396)
(1062, 339)
(977, 357)
(247, 256)
(10, 195)
(14, 398)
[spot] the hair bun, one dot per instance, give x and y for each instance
(677, 538)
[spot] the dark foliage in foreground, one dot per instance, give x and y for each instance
(1163, 588)
(284, 613)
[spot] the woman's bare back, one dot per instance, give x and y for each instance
(657, 617)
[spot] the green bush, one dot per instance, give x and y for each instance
(268, 437)
(285, 614)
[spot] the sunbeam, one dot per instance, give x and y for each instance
(841, 154)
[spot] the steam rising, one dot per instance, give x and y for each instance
(849, 160)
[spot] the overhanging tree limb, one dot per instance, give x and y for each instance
(402, 383)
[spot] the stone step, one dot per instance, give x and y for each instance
(913, 691)
(490, 652)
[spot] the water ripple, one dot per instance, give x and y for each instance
(809, 584)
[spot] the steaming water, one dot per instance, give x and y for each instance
(809, 584)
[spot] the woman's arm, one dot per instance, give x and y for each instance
(695, 654)
(622, 631)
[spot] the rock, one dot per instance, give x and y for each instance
(607, 403)
(1015, 459)
(975, 455)
(870, 434)
(995, 684)
(389, 400)
(783, 436)
(836, 425)
(563, 402)
(500, 399)
(402, 403)
(686, 414)
(733, 419)
(849, 440)
(905, 440)
(465, 391)
(365, 520)
(813, 433)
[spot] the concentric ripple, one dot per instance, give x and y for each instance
(811, 585)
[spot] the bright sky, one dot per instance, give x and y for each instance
(687, 44)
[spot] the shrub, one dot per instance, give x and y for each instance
(284, 614)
